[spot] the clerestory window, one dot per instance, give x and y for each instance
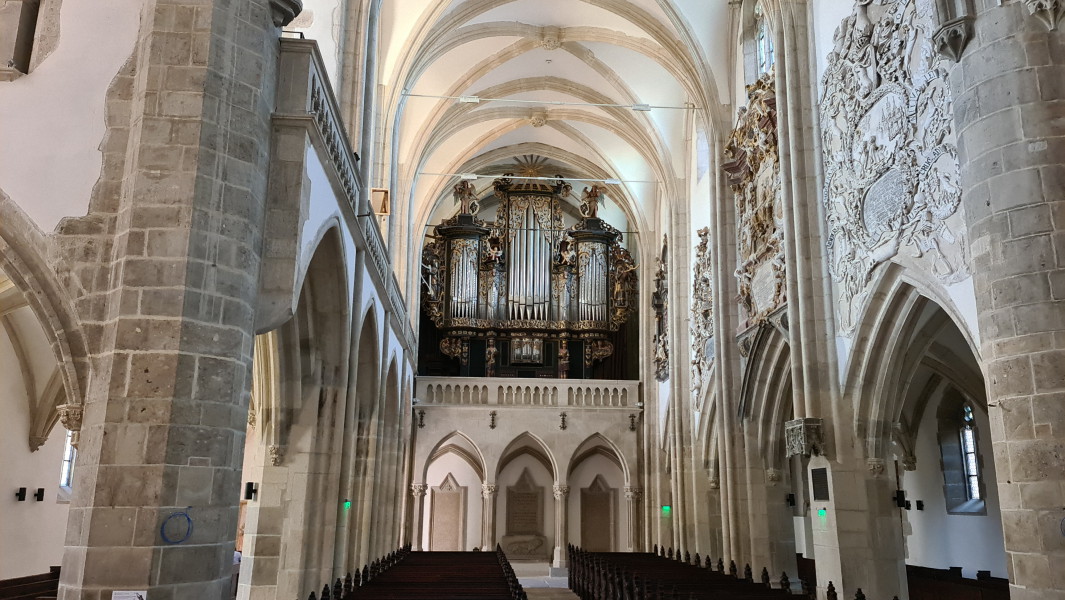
(763, 41)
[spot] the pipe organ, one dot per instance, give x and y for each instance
(525, 287)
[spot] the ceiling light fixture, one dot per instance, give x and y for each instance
(478, 100)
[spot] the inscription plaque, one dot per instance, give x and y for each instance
(523, 513)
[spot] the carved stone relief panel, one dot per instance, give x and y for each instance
(660, 303)
(447, 516)
(892, 190)
(702, 319)
(753, 168)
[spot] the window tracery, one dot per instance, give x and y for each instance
(763, 41)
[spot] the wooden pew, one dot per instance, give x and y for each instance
(31, 587)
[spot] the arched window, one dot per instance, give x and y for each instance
(959, 446)
(66, 473)
(763, 41)
(970, 459)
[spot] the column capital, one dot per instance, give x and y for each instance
(633, 494)
(488, 490)
(561, 491)
(70, 416)
(875, 466)
(418, 489)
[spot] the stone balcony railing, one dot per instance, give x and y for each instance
(494, 391)
(306, 96)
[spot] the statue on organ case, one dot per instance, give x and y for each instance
(563, 360)
(490, 355)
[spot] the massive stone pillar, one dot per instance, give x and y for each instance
(1009, 110)
(173, 314)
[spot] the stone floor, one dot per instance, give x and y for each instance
(538, 583)
(550, 593)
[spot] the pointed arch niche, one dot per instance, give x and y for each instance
(456, 460)
(598, 521)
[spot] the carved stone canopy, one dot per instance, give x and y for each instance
(954, 27)
(804, 437)
(284, 11)
(1049, 12)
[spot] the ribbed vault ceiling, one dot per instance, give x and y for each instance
(559, 58)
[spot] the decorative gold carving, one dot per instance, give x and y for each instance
(753, 169)
(597, 350)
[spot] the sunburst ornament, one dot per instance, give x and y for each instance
(530, 165)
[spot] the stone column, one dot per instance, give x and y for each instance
(561, 493)
(417, 490)
(1009, 110)
(172, 323)
(488, 516)
(633, 495)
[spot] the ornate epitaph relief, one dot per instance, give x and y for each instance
(660, 303)
(525, 519)
(447, 523)
(702, 320)
(892, 188)
(753, 168)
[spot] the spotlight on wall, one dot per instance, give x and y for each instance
(790, 499)
(21, 494)
(900, 498)
(251, 490)
(39, 495)
(920, 505)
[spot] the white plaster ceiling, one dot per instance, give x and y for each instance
(623, 52)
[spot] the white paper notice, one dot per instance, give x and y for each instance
(127, 595)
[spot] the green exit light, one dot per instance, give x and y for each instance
(347, 504)
(822, 512)
(666, 508)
